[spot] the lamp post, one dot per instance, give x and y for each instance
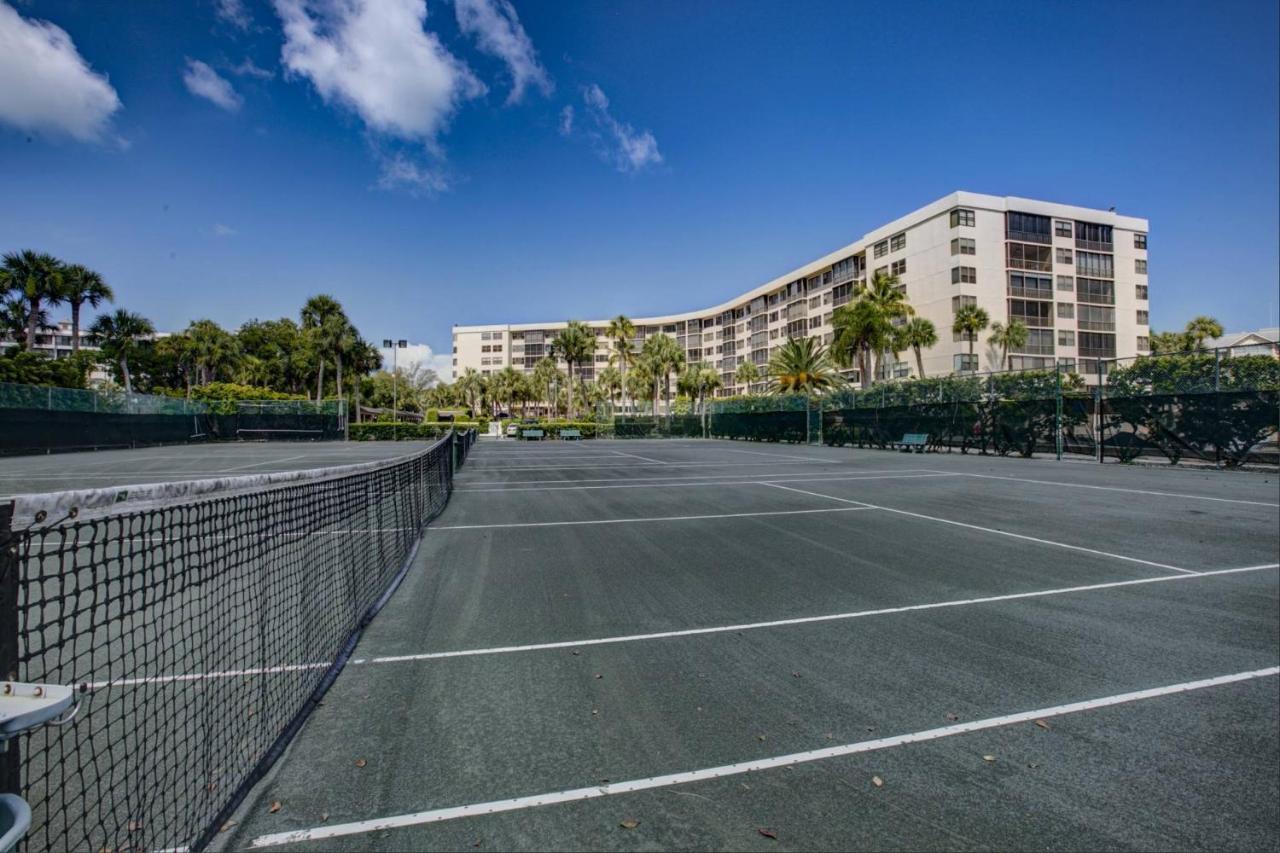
(387, 343)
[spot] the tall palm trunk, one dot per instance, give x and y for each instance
(919, 363)
(320, 383)
(33, 304)
(128, 380)
(75, 327)
(568, 409)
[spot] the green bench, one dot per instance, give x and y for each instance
(916, 441)
(528, 434)
(570, 433)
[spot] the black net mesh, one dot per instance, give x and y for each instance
(201, 623)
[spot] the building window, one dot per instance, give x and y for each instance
(881, 271)
(1029, 227)
(963, 362)
(898, 242)
(815, 322)
(1066, 310)
(1144, 343)
(1029, 313)
(963, 246)
(1067, 283)
(882, 248)
(1144, 318)
(1095, 290)
(964, 275)
(1140, 266)
(1097, 318)
(1062, 227)
(1066, 339)
(1090, 235)
(1140, 291)
(898, 267)
(486, 348)
(1030, 286)
(1098, 266)
(1139, 241)
(960, 216)
(497, 347)
(1024, 256)
(958, 302)
(1096, 345)
(1039, 342)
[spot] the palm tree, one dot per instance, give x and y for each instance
(698, 380)
(802, 366)
(620, 332)
(861, 330)
(117, 334)
(215, 350)
(1201, 328)
(1164, 343)
(969, 321)
(545, 375)
(82, 285)
(610, 382)
(323, 320)
(177, 353)
(665, 356)
(576, 344)
(14, 317)
(472, 386)
(1008, 338)
(642, 383)
(748, 374)
(919, 334)
(37, 278)
(365, 359)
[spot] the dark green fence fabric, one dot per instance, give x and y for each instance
(760, 426)
(40, 431)
(1227, 427)
(676, 426)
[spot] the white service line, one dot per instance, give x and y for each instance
(689, 632)
(636, 456)
(779, 455)
(259, 464)
(1024, 537)
(640, 520)
(703, 480)
(1122, 489)
(649, 465)
(753, 766)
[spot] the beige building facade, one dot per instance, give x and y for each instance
(1076, 277)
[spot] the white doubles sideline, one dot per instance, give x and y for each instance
(710, 773)
(702, 480)
(688, 632)
(1121, 489)
(982, 529)
(649, 519)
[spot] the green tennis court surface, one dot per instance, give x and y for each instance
(728, 645)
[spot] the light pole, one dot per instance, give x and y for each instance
(387, 343)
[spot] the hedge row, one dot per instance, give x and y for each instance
(383, 431)
(589, 429)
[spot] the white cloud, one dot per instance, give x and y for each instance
(46, 84)
(234, 13)
(248, 68)
(628, 149)
(497, 31)
(373, 57)
(423, 355)
(566, 120)
(400, 172)
(206, 83)
(221, 230)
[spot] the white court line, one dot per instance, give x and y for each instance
(779, 455)
(263, 462)
(1037, 540)
(649, 465)
(688, 632)
(926, 472)
(639, 520)
(1122, 489)
(656, 482)
(636, 456)
(754, 766)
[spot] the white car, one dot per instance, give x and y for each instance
(513, 430)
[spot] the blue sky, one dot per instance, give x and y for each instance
(227, 158)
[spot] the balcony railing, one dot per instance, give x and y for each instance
(1036, 266)
(1095, 245)
(1096, 325)
(1028, 236)
(1033, 321)
(1031, 292)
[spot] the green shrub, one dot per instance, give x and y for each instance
(28, 368)
(384, 431)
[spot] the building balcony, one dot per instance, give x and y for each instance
(1094, 245)
(1028, 237)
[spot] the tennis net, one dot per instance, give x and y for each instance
(201, 622)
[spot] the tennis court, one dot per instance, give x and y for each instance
(713, 644)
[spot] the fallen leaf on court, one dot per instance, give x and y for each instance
(629, 823)
(1033, 765)
(1042, 724)
(795, 675)
(877, 781)
(275, 807)
(227, 826)
(760, 738)
(598, 675)
(595, 712)
(476, 843)
(360, 762)
(768, 833)
(830, 736)
(746, 787)
(576, 652)
(324, 816)
(988, 758)
(952, 717)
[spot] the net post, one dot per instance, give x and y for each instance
(1098, 397)
(11, 756)
(1057, 418)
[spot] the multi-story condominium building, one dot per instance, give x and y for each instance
(1076, 277)
(55, 342)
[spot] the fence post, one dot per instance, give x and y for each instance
(1217, 406)
(1057, 419)
(1098, 400)
(11, 758)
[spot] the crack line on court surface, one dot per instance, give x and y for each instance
(686, 632)
(710, 773)
(978, 527)
(1120, 489)
(642, 520)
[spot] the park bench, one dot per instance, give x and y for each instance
(570, 433)
(916, 441)
(527, 434)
